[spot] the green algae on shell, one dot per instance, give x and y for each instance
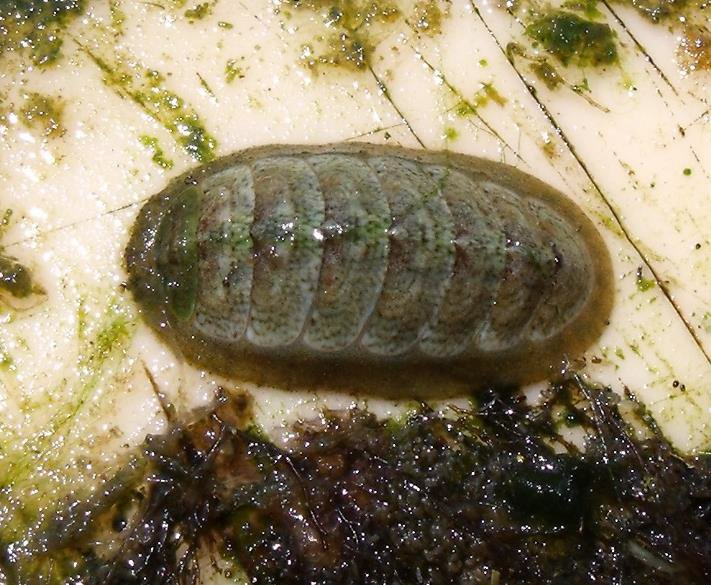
(263, 266)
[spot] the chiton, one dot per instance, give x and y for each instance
(371, 268)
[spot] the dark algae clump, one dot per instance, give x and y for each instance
(494, 494)
(15, 278)
(573, 39)
(36, 26)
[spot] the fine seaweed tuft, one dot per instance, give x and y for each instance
(495, 492)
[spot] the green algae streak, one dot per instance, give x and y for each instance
(151, 143)
(146, 88)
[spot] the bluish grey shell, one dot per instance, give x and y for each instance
(371, 268)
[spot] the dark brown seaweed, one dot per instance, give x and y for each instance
(495, 494)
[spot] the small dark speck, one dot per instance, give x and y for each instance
(687, 171)
(596, 360)
(697, 246)
(119, 524)
(123, 286)
(675, 383)
(682, 387)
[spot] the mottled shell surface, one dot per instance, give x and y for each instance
(369, 268)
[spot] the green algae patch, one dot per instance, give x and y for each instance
(35, 27)
(574, 40)
(349, 14)
(233, 71)
(43, 113)
(427, 17)
(450, 133)
(484, 96)
(118, 17)
(610, 224)
(55, 416)
(464, 109)
(200, 11)
(344, 33)
(488, 93)
(152, 144)
(587, 7)
(644, 284)
(346, 30)
(146, 88)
